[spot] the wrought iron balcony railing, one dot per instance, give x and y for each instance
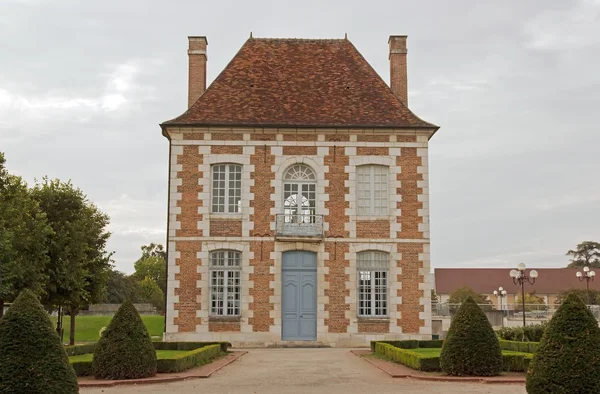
(299, 225)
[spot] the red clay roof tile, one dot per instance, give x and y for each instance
(299, 83)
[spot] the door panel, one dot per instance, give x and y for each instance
(299, 296)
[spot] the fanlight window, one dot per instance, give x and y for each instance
(299, 194)
(300, 172)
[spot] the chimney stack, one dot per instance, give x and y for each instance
(197, 68)
(398, 77)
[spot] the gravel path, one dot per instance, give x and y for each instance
(330, 371)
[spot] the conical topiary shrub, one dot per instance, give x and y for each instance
(32, 358)
(125, 350)
(471, 346)
(568, 358)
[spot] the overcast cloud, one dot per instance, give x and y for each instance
(514, 85)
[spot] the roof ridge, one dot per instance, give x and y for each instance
(296, 39)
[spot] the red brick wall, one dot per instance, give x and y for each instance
(262, 159)
(337, 292)
(225, 228)
(189, 189)
(188, 291)
(373, 229)
(372, 138)
(372, 151)
(227, 137)
(223, 326)
(410, 219)
(261, 291)
(373, 327)
(226, 150)
(300, 150)
(410, 293)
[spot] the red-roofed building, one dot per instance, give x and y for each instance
(549, 284)
(299, 199)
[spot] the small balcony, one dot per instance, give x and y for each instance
(293, 227)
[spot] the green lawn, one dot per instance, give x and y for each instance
(437, 351)
(160, 354)
(88, 327)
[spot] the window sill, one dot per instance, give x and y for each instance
(224, 319)
(372, 218)
(225, 216)
(373, 320)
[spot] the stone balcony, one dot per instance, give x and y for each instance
(299, 227)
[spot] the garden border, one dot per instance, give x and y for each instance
(202, 372)
(396, 370)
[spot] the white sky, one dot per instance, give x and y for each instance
(514, 86)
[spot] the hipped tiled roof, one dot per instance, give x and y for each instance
(299, 83)
(486, 280)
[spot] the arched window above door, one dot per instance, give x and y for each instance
(299, 172)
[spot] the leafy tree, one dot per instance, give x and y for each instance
(567, 359)
(32, 359)
(125, 350)
(471, 347)
(532, 303)
(151, 293)
(461, 294)
(587, 254)
(23, 234)
(78, 260)
(120, 287)
(593, 299)
(153, 267)
(153, 250)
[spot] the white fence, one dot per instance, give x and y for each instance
(511, 311)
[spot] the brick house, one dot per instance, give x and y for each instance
(298, 199)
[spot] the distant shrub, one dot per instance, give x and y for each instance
(532, 333)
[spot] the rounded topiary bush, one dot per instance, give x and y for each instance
(32, 358)
(471, 346)
(568, 358)
(125, 350)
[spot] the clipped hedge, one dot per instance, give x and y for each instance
(189, 360)
(199, 353)
(406, 357)
(411, 344)
(567, 360)
(511, 361)
(523, 347)
(32, 359)
(471, 347)
(78, 350)
(189, 345)
(532, 332)
(125, 350)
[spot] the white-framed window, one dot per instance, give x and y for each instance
(372, 273)
(225, 282)
(372, 190)
(226, 188)
(299, 194)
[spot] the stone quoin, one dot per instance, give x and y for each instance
(298, 199)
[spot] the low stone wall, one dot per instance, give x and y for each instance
(111, 309)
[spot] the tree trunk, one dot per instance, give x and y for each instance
(59, 328)
(72, 333)
(1, 308)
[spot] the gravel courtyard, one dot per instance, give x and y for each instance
(331, 371)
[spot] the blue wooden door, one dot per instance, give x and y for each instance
(299, 296)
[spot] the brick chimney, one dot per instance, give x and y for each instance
(197, 68)
(398, 78)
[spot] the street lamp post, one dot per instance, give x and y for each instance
(587, 275)
(501, 293)
(519, 276)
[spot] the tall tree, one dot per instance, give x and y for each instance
(153, 250)
(587, 254)
(151, 293)
(153, 267)
(23, 234)
(120, 287)
(76, 249)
